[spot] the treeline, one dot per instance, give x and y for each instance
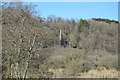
(105, 20)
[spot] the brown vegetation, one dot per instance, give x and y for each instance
(31, 44)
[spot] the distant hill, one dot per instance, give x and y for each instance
(105, 20)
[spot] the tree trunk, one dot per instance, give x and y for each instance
(60, 38)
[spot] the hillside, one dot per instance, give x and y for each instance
(34, 47)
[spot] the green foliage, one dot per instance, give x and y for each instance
(74, 37)
(72, 41)
(71, 58)
(83, 23)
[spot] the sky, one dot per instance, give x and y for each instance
(60, 0)
(77, 10)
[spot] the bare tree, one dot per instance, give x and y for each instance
(22, 39)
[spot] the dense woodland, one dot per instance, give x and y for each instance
(31, 45)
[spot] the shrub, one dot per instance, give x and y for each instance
(108, 61)
(78, 66)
